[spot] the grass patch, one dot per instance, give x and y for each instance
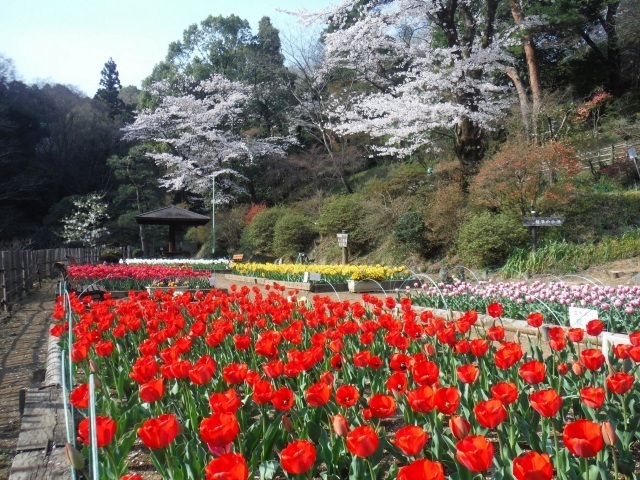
(563, 257)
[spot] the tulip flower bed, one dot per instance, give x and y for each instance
(259, 385)
(294, 272)
(618, 307)
(194, 263)
(138, 277)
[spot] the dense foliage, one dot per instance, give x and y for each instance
(399, 121)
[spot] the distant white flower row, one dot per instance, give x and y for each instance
(175, 261)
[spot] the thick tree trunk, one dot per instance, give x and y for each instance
(469, 149)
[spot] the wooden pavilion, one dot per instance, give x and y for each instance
(175, 217)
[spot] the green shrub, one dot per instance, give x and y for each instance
(486, 240)
(409, 230)
(292, 233)
(138, 253)
(345, 212)
(257, 237)
(111, 255)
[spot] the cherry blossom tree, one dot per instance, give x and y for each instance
(427, 69)
(85, 224)
(199, 132)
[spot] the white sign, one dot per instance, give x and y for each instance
(314, 277)
(579, 317)
(342, 239)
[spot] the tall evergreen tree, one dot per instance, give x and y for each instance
(110, 91)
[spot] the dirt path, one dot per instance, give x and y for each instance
(23, 354)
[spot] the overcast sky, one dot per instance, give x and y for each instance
(69, 41)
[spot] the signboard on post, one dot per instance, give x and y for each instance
(542, 221)
(343, 238)
(534, 222)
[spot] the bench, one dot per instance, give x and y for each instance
(96, 292)
(238, 257)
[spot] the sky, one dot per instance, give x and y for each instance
(69, 41)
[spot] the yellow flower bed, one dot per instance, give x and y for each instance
(333, 273)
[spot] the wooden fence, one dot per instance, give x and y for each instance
(22, 270)
(604, 156)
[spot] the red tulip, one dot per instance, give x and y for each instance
(298, 457)
(397, 382)
(382, 406)
(262, 392)
(362, 441)
(535, 319)
(152, 390)
(104, 348)
(507, 355)
(202, 370)
(347, 395)
(467, 373)
(494, 309)
(421, 399)
(563, 368)
(620, 382)
(318, 394)
(506, 392)
(220, 429)
(105, 430)
(546, 402)
(557, 338)
(421, 469)
(479, 347)
(411, 440)
(575, 334)
(447, 399)
(459, 426)
(592, 358)
(594, 327)
(495, 333)
(634, 338)
(283, 399)
(79, 396)
(475, 453)
(159, 432)
(225, 402)
(583, 438)
(144, 369)
(230, 466)
(490, 413)
(592, 396)
(533, 372)
(425, 373)
(532, 466)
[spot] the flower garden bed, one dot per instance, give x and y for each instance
(271, 387)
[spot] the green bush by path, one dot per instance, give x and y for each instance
(486, 240)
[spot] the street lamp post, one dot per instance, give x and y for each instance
(633, 155)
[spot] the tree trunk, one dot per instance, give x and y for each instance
(613, 51)
(533, 68)
(468, 147)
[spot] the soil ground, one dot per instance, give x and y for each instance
(25, 334)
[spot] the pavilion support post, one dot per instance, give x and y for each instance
(172, 239)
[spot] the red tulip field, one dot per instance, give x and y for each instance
(255, 384)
